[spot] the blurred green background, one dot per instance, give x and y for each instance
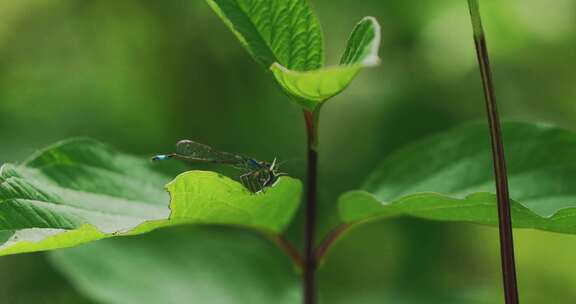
(143, 74)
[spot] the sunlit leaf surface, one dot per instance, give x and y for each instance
(285, 36)
(79, 191)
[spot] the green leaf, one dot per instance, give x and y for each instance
(285, 36)
(449, 177)
(80, 190)
(220, 200)
(311, 88)
(183, 265)
(284, 31)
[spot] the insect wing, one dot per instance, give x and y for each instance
(198, 151)
(193, 149)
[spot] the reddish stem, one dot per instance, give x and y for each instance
(309, 265)
(330, 239)
(288, 248)
(499, 160)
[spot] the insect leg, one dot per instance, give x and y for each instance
(245, 180)
(250, 181)
(263, 188)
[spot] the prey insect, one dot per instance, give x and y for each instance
(257, 174)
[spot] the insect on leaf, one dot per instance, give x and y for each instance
(80, 190)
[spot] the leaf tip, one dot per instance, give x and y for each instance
(373, 59)
(2, 169)
(277, 66)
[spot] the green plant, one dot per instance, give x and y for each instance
(79, 191)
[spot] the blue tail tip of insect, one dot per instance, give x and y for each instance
(160, 157)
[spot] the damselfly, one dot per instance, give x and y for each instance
(257, 174)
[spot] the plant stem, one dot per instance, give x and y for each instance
(309, 265)
(330, 239)
(504, 217)
(288, 248)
